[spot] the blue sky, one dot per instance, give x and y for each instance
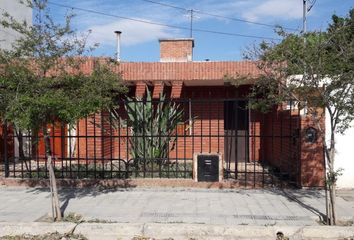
(140, 40)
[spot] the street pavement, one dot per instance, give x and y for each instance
(266, 207)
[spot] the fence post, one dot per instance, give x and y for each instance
(5, 157)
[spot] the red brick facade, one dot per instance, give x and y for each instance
(270, 138)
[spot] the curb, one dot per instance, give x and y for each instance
(115, 231)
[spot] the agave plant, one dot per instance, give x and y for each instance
(153, 127)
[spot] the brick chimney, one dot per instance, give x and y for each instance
(176, 49)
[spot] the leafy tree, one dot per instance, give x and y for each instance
(319, 73)
(41, 79)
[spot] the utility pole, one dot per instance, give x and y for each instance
(304, 17)
(191, 26)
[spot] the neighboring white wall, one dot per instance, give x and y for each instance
(344, 155)
(20, 12)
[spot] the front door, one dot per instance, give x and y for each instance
(236, 132)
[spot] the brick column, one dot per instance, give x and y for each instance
(140, 89)
(158, 89)
(312, 156)
(176, 89)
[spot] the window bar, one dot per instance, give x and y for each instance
(111, 143)
(168, 147)
(127, 141)
(15, 135)
(94, 145)
(263, 147)
(70, 152)
(290, 158)
(272, 149)
(201, 126)
(218, 119)
(5, 157)
(62, 142)
(256, 135)
(136, 160)
(87, 148)
(236, 108)
(144, 138)
(29, 149)
(103, 141)
(192, 129)
(45, 154)
(226, 137)
(247, 118)
(152, 140)
(38, 138)
(53, 145)
(176, 135)
(209, 112)
(184, 142)
(161, 160)
(119, 144)
(281, 149)
(298, 152)
(77, 142)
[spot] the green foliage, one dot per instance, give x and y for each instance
(152, 127)
(41, 80)
(316, 69)
(332, 176)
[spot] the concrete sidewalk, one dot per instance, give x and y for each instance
(174, 205)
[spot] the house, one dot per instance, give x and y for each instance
(252, 148)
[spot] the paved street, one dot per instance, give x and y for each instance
(171, 205)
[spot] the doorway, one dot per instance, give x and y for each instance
(236, 127)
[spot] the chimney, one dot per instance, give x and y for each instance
(176, 49)
(118, 33)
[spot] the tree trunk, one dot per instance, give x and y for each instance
(332, 182)
(56, 212)
(21, 153)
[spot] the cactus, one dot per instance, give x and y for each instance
(153, 127)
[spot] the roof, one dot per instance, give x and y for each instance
(200, 72)
(186, 71)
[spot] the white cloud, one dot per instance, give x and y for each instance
(276, 9)
(132, 33)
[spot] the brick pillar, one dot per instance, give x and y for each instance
(158, 89)
(140, 89)
(176, 89)
(312, 156)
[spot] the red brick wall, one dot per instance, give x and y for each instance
(312, 155)
(280, 146)
(9, 143)
(176, 50)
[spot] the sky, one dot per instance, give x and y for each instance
(139, 41)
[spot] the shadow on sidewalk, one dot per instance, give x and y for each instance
(296, 195)
(95, 189)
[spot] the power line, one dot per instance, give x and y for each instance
(167, 5)
(218, 16)
(161, 24)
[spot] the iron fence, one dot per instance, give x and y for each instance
(257, 148)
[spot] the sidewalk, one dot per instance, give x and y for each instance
(176, 205)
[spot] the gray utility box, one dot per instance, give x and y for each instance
(207, 167)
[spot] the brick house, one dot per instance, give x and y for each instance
(253, 146)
